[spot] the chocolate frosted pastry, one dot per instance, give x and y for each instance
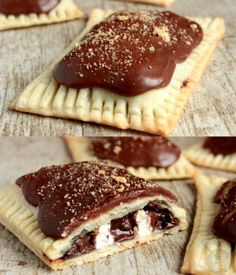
(224, 225)
(221, 145)
(215, 152)
(26, 13)
(130, 52)
(112, 72)
(136, 151)
(210, 250)
(18, 7)
(153, 157)
(77, 213)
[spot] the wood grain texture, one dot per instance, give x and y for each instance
(21, 155)
(25, 53)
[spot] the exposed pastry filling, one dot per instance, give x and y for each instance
(152, 219)
(73, 200)
(221, 145)
(18, 7)
(130, 52)
(136, 151)
(224, 225)
(68, 195)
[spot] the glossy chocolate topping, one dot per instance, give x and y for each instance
(18, 7)
(130, 52)
(136, 151)
(221, 145)
(69, 195)
(224, 225)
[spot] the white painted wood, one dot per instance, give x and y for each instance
(26, 53)
(21, 155)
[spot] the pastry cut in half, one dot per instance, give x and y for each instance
(164, 3)
(130, 69)
(211, 249)
(152, 157)
(26, 13)
(78, 213)
(215, 152)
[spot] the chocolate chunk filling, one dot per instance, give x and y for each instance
(18, 7)
(221, 145)
(224, 225)
(161, 218)
(126, 228)
(81, 245)
(123, 229)
(130, 52)
(136, 151)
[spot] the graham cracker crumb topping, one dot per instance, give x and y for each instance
(163, 32)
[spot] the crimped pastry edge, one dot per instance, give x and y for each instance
(206, 254)
(65, 11)
(156, 111)
(203, 157)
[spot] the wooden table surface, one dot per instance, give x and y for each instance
(24, 54)
(21, 155)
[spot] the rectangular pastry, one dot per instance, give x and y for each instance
(215, 152)
(128, 69)
(147, 157)
(211, 249)
(26, 13)
(78, 213)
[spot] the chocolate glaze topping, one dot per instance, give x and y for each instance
(224, 225)
(130, 52)
(18, 7)
(221, 145)
(69, 195)
(136, 151)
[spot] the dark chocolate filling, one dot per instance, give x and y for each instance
(82, 245)
(161, 218)
(125, 229)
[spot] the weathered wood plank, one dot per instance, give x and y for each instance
(26, 53)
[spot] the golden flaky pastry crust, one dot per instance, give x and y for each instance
(156, 111)
(182, 169)
(65, 11)
(207, 254)
(203, 157)
(20, 218)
